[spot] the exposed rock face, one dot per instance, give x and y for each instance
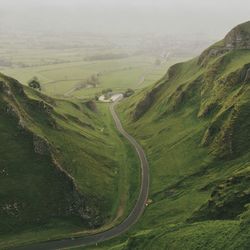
(236, 77)
(48, 99)
(237, 38)
(3, 86)
(78, 204)
(41, 146)
(45, 107)
(15, 86)
(16, 106)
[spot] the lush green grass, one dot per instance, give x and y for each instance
(208, 235)
(195, 131)
(85, 143)
(194, 126)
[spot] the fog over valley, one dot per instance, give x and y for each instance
(210, 18)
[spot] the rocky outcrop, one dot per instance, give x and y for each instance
(46, 98)
(41, 146)
(79, 205)
(4, 87)
(228, 134)
(14, 87)
(237, 38)
(29, 117)
(227, 201)
(40, 106)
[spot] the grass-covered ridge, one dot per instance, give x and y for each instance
(195, 127)
(63, 167)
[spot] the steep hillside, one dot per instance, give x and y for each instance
(195, 127)
(59, 172)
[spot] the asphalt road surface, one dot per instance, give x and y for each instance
(126, 224)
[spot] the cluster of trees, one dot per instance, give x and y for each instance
(128, 92)
(35, 84)
(106, 92)
(92, 81)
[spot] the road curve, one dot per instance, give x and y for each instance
(127, 223)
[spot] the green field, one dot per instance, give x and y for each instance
(62, 63)
(119, 74)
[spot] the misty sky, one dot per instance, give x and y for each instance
(210, 17)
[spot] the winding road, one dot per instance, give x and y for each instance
(127, 223)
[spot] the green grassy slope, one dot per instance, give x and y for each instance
(195, 127)
(61, 166)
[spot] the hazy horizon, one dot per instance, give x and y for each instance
(209, 18)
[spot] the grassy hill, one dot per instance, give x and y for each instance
(61, 167)
(194, 124)
(64, 159)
